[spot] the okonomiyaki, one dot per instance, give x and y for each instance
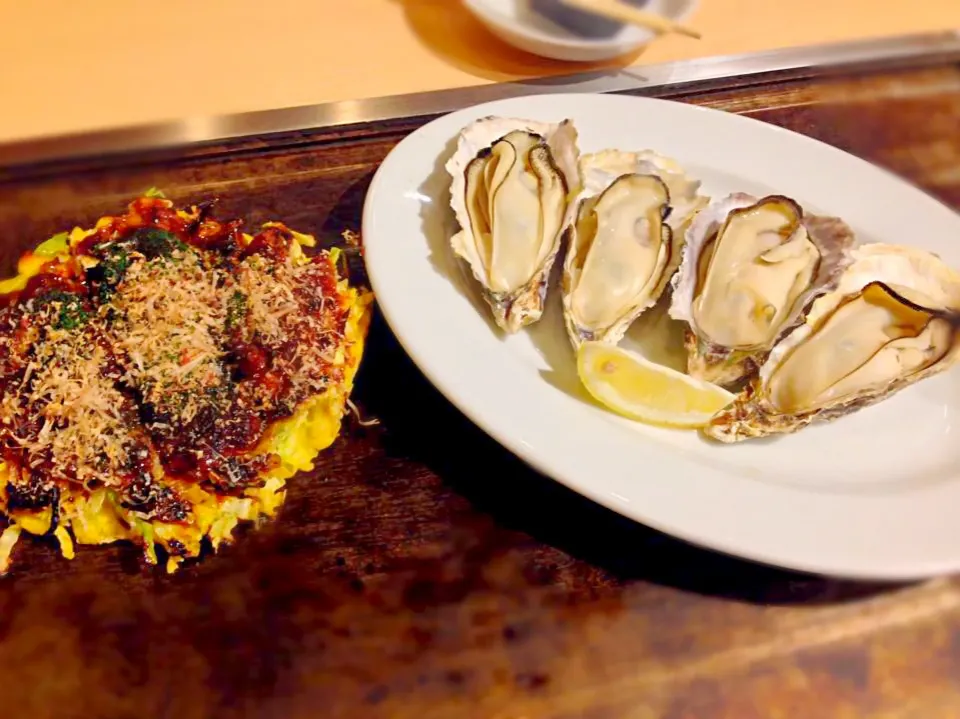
(163, 374)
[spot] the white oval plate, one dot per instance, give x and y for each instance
(872, 495)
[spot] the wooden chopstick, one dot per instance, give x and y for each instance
(616, 10)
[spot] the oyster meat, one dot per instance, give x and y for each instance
(892, 321)
(750, 268)
(625, 233)
(509, 192)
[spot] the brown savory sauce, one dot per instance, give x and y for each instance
(163, 347)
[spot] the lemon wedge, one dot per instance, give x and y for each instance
(639, 389)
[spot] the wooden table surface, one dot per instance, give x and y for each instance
(223, 56)
(423, 572)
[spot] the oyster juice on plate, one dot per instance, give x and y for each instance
(625, 235)
(750, 267)
(511, 181)
(893, 320)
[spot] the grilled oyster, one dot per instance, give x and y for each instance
(509, 192)
(750, 267)
(893, 320)
(599, 169)
(624, 242)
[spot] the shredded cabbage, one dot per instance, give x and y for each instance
(54, 245)
(7, 542)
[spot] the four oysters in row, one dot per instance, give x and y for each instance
(776, 301)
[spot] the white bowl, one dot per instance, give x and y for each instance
(551, 29)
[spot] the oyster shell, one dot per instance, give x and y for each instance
(750, 268)
(599, 169)
(511, 180)
(893, 320)
(625, 234)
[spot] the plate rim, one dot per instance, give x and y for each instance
(432, 369)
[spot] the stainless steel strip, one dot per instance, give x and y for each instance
(906, 50)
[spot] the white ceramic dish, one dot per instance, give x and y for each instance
(872, 495)
(547, 28)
